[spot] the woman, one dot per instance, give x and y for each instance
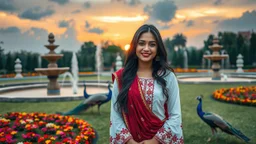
(145, 105)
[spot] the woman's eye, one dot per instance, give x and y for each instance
(141, 44)
(152, 45)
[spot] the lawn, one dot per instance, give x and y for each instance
(195, 130)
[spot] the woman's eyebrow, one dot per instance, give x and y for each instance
(144, 41)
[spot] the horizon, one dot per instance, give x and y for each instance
(25, 25)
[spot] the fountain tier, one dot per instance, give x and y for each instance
(215, 58)
(52, 71)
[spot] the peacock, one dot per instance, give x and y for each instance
(215, 121)
(86, 95)
(92, 100)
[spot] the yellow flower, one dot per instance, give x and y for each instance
(13, 132)
(48, 141)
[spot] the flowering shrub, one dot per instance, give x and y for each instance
(180, 70)
(28, 128)
(239, 95)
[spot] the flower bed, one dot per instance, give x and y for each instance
(238, 95)
(28, 128)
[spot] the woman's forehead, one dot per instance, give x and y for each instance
(147, 36)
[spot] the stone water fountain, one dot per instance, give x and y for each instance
(215, 58)
(53, 71)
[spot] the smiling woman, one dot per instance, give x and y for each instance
(145, 105)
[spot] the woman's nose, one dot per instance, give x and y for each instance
(146, 47)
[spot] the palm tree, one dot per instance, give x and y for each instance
(179, 40)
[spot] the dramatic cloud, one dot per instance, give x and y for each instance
(215, 21)
(60, 2)
(9, 30)
(134, 2)
(218, 2)
(36, 13)
(87, 25)
(76, 11)
(96, 30)
(190, 23)
(7, 5)
(87, 5)
(64, 24)
(246, 22)
(163, 11)
(34, 39)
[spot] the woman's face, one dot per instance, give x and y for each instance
(146, 49)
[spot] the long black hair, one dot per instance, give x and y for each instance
(160, 66)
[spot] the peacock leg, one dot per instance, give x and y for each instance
(209, 139)
(99, 109)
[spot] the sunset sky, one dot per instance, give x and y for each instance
(25, 24)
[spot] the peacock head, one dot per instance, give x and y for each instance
(200, 97)
(109, 84)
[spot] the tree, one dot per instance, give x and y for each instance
(169, 48)
(9, 63)
(86, 56)
(179, 40)
(1, 57)
(229, 43)
(110, 53)
(253, 47)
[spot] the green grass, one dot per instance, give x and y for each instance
(195, 130)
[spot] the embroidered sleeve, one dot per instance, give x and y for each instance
(119, 134)
(171, 132)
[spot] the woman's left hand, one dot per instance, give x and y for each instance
(151, 141)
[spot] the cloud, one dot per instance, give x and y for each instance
(134, 2)
(7, 5)
(96, 30)
(64, 24)
(36, 13)
(34, 39)
(9, 30)
(87, 5)
(87, 25)
(76, 11)
(190, 23)
(246, 22)
(215, 21)
(163, 11)
(218, 2)
(165, 27)
(60, 2)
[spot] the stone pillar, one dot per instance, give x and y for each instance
(239, 64)
(18, 68)
(119, 63)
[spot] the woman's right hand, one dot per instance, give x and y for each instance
(132, 141)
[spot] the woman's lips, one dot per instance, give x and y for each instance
(145, 54)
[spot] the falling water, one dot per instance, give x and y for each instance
(40, 66)
(98, 56)
(74, 78)
(185, 56)
(74, 70)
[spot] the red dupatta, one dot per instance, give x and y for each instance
(142, 123)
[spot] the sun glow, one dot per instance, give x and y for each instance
(126, 47)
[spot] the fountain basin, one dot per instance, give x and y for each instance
(215, 57)
(37, 92)
(52, 71)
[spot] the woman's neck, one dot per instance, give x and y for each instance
(145, 70)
